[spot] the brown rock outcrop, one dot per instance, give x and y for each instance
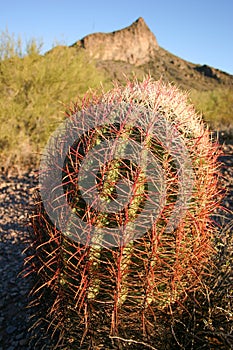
(134, 44)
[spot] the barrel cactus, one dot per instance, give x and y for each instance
(122, 226)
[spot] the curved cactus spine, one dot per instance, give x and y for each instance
(152, 250)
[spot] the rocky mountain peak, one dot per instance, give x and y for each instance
(134, 44)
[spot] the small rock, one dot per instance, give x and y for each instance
(11, 329)
(19, 336)
(23, 342)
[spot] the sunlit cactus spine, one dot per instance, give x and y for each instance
(119, 288)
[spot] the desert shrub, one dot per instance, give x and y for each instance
(216, 106)
(32, 90)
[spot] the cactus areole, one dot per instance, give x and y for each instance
(127, 186)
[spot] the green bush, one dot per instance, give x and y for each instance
(216, 106)
(31, 91)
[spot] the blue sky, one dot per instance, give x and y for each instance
(199, 31)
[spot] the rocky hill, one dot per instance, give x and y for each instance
(135, 44)
(135, 50)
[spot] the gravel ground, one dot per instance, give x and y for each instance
(15, 196)
(16, 201)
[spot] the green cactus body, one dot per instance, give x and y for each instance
(129, 268)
